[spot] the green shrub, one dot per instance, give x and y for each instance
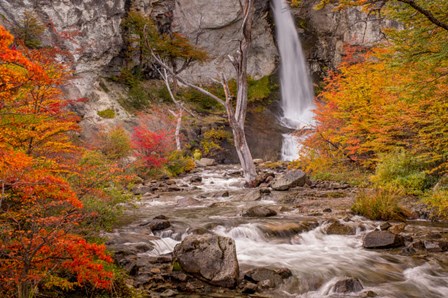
(212, 140)
(379, 204)
(259, 90)
(178, 163)
(116, 144)
(438, 200)
(30, 30)
(107, 114)
(400, 170)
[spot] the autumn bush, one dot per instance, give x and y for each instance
(179, 163)
(438, 200)
(401, 170)
(46, 181)
(114, 143)
(380, 204)
(212, 140)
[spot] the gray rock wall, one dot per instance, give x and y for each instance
(94, 37)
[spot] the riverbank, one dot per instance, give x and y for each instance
(299, 242)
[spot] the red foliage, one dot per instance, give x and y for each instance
(152, 147)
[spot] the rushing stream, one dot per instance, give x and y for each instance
(317, 260)
(296, 87)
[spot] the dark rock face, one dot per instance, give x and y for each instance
(289, 179)
(210, 258)
(348, 285)
(382, 239)
(260, 211)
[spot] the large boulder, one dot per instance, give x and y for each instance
(209, 257)
(382, 239)
(289, 179)
(260, 211)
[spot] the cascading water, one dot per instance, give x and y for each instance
(296, 87)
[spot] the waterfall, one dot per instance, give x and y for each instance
(296, 87)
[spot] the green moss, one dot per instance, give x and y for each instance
(107, 114)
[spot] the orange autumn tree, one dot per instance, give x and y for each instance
(395, 100)
(39, 247)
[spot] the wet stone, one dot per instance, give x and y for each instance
(158, 224)
(209, 257)
(252, 195)
(435, 246)
(267, 278)
(348, 285)
(249, 288)
(382, 239)
(260, 211)
(384, 226)
(337, 228)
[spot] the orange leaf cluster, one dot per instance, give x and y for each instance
(39, 211)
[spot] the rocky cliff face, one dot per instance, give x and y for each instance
(91, 31)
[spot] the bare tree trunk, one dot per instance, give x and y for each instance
(235, 115)
(237, 118)
(178, 116)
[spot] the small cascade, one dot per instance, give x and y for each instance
(296, 87)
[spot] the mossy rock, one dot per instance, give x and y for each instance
(107, 114)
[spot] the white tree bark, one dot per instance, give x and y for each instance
(237, 115)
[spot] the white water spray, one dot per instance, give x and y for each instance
(296, 87)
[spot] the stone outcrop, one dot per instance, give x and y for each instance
(210, 258)
(94, 37)
(215, 26)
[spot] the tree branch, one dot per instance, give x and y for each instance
(426, 13)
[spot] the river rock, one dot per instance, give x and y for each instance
(348, 285)
(337, 228)
(194, 179)
(252, 195)
(384, 226)
(186, 202)
(205, 162)
(267, 278)
(287, 229)
(260, 211)
(435, 246)
(209, 257)
(382, 239)
(141, 189)
(397, 228)
(159, 224)
(289, 179)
